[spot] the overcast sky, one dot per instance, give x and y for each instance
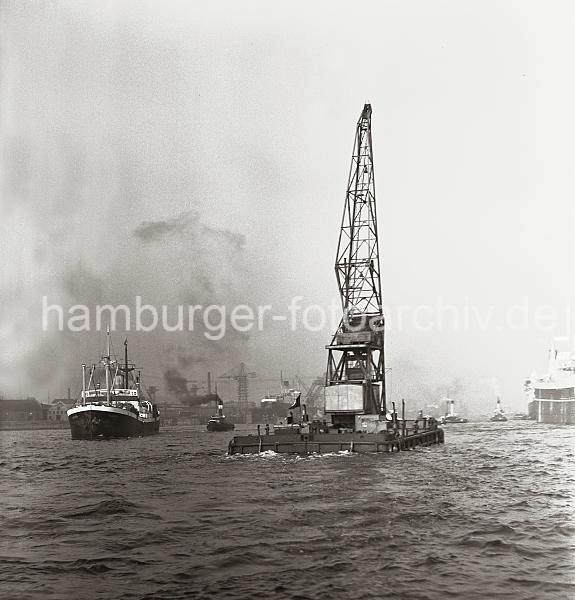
(227, 127)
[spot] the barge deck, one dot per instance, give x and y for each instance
(314, 442)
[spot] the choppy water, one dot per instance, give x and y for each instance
(488, 515)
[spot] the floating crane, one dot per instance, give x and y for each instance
(355, 395)
(355, 378)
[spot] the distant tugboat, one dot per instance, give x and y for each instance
(120, 411)
(521, 417)
(218, 422)
(451, 416)
(498, 414)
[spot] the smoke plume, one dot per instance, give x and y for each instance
(93, 213)
(177, 386)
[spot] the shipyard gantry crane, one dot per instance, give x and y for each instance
(355, 379)
(240, 375)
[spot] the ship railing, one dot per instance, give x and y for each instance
(113, 392)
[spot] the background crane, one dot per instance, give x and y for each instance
(241, 375)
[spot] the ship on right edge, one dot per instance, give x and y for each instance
(551, 397)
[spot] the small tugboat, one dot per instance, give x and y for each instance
(355, 402)
(498, 415)
(451, 416)
(218, 422)
(521, 417)
(120, 411)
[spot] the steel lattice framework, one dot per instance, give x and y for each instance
(240, 375)
(357, 262)
(356, 354)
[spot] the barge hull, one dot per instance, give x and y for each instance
(323, 443)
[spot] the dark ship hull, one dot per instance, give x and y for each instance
(102, 422)
(217, 425)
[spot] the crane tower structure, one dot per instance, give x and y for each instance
(355, 378)
(240, 375)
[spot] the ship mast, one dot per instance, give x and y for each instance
(356, 353)
(84, 383)
(108, 365)
(126, 369)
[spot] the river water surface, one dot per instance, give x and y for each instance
(488, 515)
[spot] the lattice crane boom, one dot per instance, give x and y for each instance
(357, 263)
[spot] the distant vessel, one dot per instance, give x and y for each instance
(551, 397)
(120, 410)
(275, 408)
(451, 416)
(498, 414)
(218, 422)
(521, 417)
(291, 425)
(276, 404)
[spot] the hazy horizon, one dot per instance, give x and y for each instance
(198, 154)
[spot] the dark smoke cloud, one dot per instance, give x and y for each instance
(177, 386)
(212, 272)
(176, 383)
(97, 133)
(154, 231)
(77, 181)
(188, 223)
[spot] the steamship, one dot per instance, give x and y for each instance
(498, 414)
(120, 410)
(218, 422)
(451, 416)
(551, 397)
